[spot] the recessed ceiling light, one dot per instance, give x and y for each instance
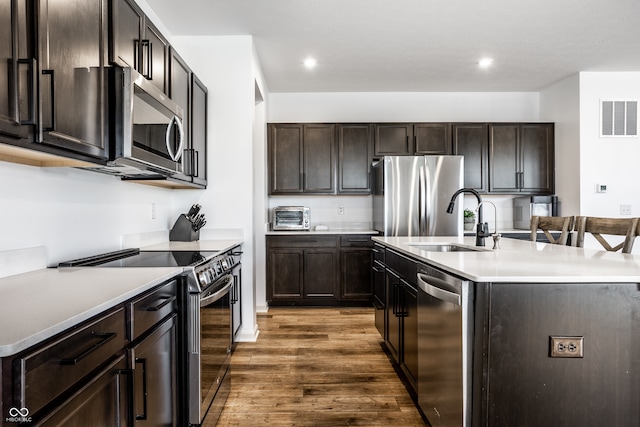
(310, 62)
(485, 62)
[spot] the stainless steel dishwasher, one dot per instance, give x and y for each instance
(445, 304)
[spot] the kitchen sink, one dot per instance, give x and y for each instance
(444, 247)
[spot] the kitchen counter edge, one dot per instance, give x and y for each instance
(521, 261)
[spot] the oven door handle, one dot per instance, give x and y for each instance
(209, 299)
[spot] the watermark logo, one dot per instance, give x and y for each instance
(18, 415)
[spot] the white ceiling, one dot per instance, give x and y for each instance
(420, 45)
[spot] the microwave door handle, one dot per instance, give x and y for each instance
(178, 153)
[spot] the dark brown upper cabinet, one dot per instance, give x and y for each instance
(521, 158)
(406, 139)
(354, 158)
(302, 158)
(393, 139)
(470, 140)
(138, 44)
(72, 76)
(199, 142)
(432, 138)
(17, 69)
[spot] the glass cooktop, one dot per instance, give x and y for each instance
(137, 258)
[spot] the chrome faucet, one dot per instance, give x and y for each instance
(482, 229)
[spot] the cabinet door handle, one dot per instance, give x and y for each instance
(52, 93)
(147, 55)
(33, 76)
(163, 301)
(196, 163)
(143, 416)
(104, 338)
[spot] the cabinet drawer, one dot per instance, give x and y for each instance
(405, 267)
(356, 240)
(42, 375)
(378, 253)
(302, 241)
(152, 307)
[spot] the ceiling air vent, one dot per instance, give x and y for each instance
(618, 118)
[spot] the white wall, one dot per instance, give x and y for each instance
(560, 103)
(75, 213)
(404, 107)
(227, 66)
(610, 161)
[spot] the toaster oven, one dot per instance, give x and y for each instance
(290, 218)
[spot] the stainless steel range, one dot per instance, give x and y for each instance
(210, 287)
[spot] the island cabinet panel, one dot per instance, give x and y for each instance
(525, 386)
(521, 158)
(354, 158)
(470, 140)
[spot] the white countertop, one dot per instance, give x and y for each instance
(43, 303)
(198, 245)
(521, 261)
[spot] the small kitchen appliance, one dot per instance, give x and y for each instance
(526, 207)
(291, 218)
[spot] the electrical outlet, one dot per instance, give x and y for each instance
(566, 346)
(625, 209)
(340, 210)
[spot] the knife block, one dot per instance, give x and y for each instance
(182, 231)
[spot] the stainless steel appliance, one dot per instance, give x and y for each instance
(444, 348)
(147, 138)
(526, 207)
(209, 286)
(291, 218)
(411, 195)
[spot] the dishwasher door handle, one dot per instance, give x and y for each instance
(434, 287)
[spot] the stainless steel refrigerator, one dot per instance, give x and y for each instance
(411, 195)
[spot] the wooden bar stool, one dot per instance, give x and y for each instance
(627, 227)
(563, 224)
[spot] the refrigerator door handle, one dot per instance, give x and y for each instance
(422, 203)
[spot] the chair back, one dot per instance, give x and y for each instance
(563, 224)
(627, 227)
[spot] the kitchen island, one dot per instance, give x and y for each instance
(541, 334)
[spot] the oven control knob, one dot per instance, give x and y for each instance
(202, 277)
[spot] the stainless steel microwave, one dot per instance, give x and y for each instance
(291, 218)
(147, 138)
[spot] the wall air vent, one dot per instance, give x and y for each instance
(618, 118)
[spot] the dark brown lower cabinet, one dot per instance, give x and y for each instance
(318, 270)
(102, 402)
(401, 332)
(117, 369)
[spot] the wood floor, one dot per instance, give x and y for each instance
(316, 367)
